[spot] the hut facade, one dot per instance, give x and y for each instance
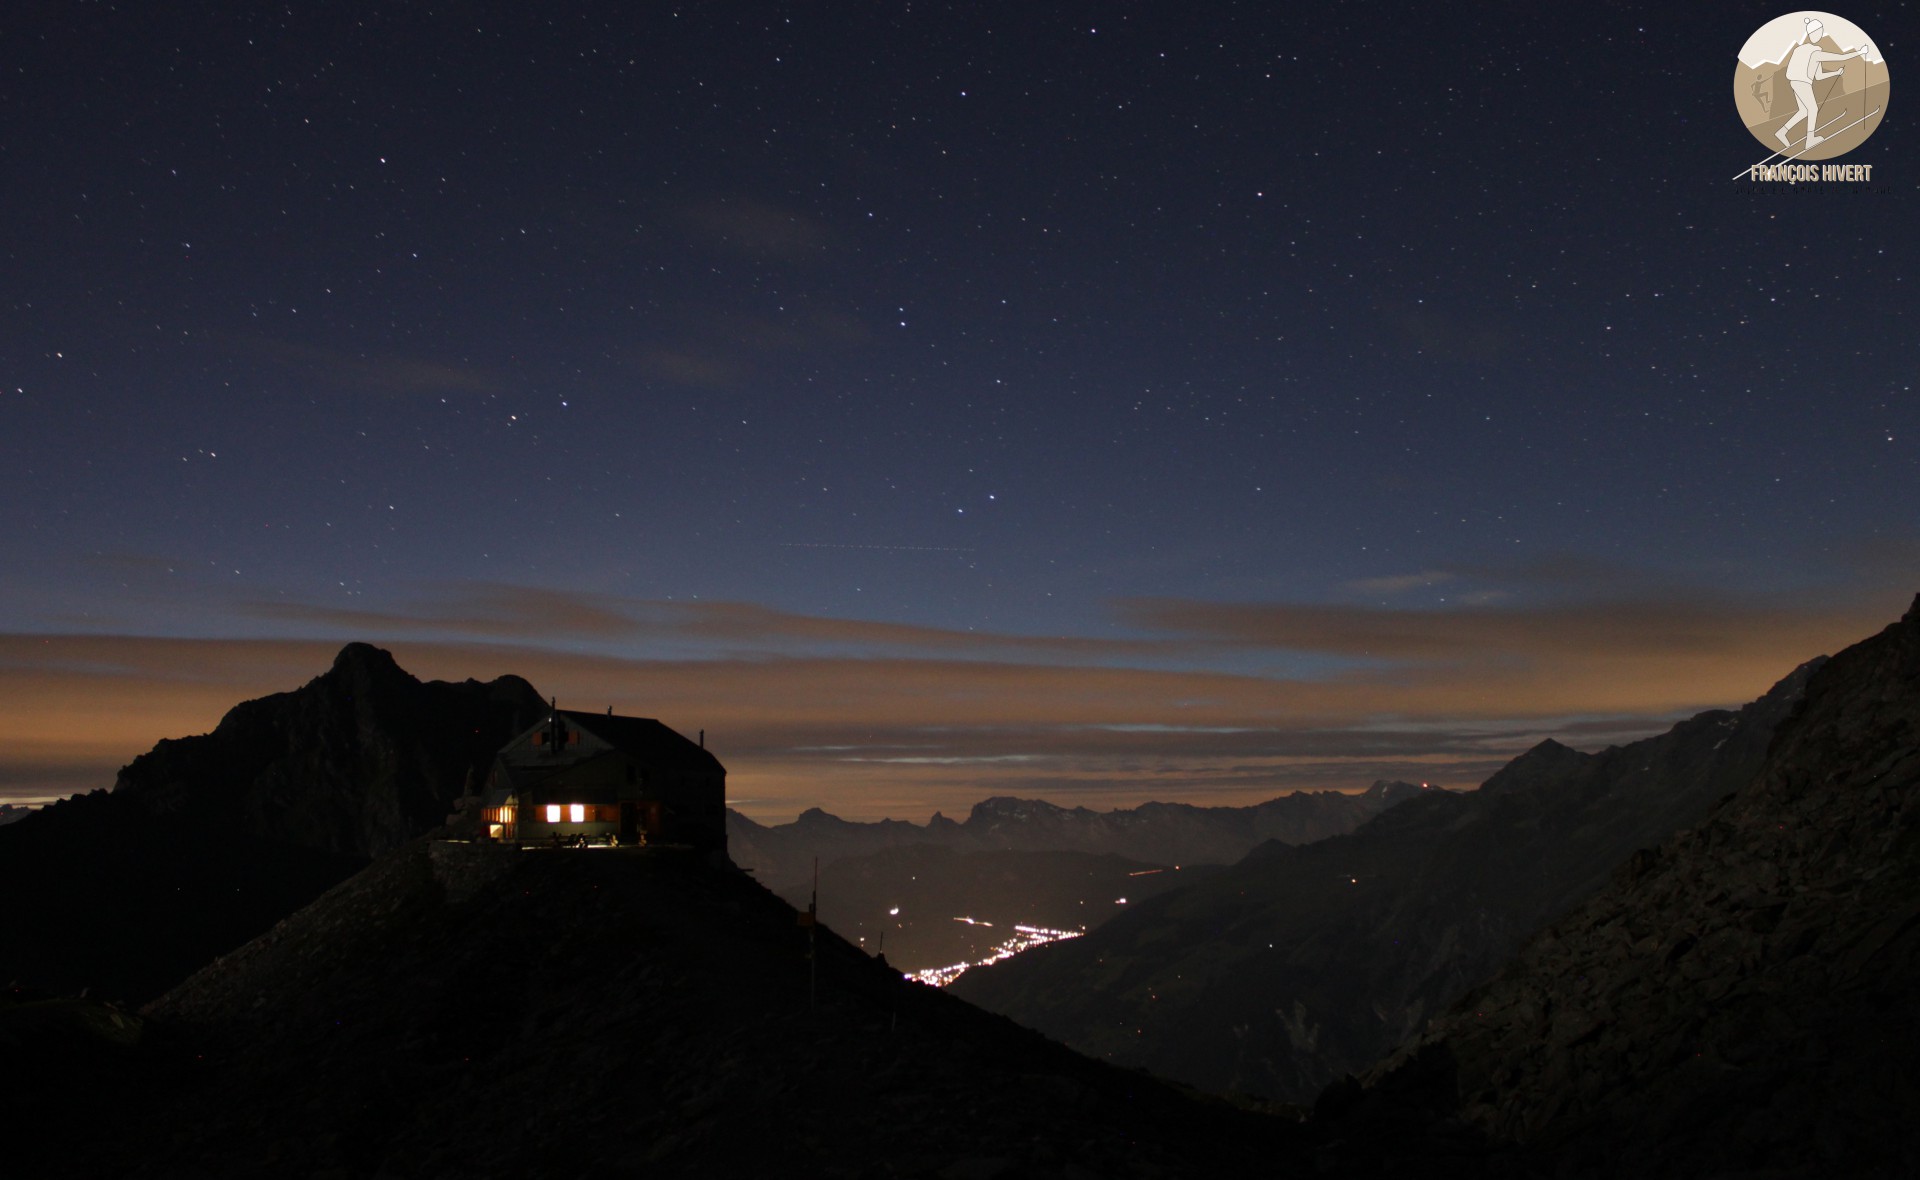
(593, 778)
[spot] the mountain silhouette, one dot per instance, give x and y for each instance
(1739, 1000)
(206, 841)
(1157, 833)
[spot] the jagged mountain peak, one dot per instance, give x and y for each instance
(1548, 760)
(1011, 806)
(817, 818)
(1795, 681)
(509, 688)
(365, 659)
(1391, 791)
(206, 839)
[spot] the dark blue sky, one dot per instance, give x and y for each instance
(1311, 354)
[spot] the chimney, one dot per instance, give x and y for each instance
(703, 739)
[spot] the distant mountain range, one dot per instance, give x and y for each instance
(951, 892)
(1303, 963)
(1157, 833)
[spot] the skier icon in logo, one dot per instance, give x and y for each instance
(1803, 67)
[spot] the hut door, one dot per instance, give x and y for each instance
(629, 820)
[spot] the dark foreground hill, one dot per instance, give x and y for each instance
(206, 841)
(1159, 833)
(1300, 964)
(1743, 1000)
(469, 1010)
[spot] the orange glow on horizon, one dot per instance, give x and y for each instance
(868, 737)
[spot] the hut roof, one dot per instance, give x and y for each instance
(646, 740)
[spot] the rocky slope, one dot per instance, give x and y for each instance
(467, 1010)
(1159, 833)
(1741, 1000)
(1300, 964)
(205, 841)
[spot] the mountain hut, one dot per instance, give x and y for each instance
(588, 778)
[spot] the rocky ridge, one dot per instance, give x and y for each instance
(206, 841)
(356, 763)
(1741, 999)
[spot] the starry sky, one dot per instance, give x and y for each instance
(1094, 401)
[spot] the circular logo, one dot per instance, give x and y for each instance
(1810, 86)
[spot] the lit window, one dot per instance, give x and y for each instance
(553, 813)
(577, 813)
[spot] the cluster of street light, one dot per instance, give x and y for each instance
(1025, 938)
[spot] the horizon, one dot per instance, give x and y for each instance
(177, 680)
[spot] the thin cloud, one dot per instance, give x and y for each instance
(756, 228)
(512, 612)
(745, 622)
(1401, 583)
(389, 374)
(724, 352)
(1454, 338)
(701, 370)
(135, 564)
(494, 610)
(1701, 625)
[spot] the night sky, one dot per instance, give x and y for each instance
(1097, 401)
